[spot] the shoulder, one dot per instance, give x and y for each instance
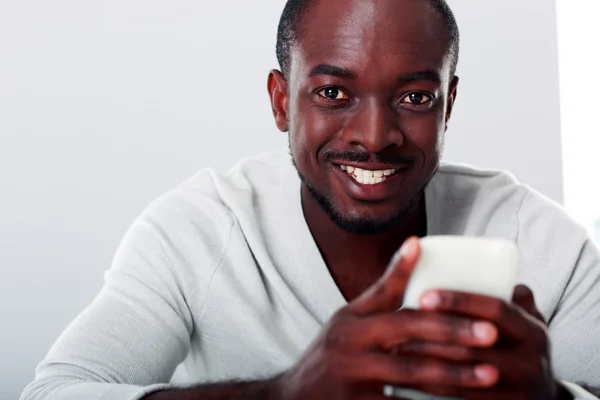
(470, 201)
(207, 200)
(497, 191)
(201, 212)
(495, 203)
(482, 190)
(476, 180)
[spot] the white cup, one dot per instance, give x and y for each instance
(486, 266)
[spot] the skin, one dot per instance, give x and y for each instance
(381, 44)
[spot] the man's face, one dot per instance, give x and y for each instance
(368, 96)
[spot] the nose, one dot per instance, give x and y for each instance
(374, 127)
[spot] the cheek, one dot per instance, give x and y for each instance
(425, 133)
(310, 131)
(299, 142)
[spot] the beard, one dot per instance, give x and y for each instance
(358, 225)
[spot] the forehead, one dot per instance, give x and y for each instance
(372, 35)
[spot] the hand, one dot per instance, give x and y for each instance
(520, 354)
(352, 357)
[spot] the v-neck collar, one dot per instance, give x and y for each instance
(323, 293)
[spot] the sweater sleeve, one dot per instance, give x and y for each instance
(575, 326)
(132, 337)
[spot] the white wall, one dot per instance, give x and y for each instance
(106, 105)
(579, 34)
(508, 113)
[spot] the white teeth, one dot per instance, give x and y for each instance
(367, 177)
(366, 180)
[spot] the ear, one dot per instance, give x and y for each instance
(451, 99)
(278, 92)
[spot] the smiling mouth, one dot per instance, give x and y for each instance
(369, 177)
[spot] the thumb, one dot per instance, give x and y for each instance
(386, 294)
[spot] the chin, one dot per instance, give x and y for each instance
(363, 219)
(367, 220)
(364, 226)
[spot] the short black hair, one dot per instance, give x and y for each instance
(290, 30)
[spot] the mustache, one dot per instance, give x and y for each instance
(365, 156)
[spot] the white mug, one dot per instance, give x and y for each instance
(486, 266)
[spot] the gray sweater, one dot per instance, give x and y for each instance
(220, 279)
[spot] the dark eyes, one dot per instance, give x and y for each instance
(416, 98)
(333, 93)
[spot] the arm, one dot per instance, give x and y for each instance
(129, 341)
(565, 272)
(575, 326)
(256, 390)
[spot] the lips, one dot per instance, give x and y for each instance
(371, 185)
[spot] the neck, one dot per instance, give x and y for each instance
(350, 254)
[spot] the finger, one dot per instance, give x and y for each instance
(518, 369)
(449, 352)
(524, 297)
(415, 371)
(385, 331)
(387, 292)
(511, 321)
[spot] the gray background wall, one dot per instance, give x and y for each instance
(106, 105)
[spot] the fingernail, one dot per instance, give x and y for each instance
(486, 374)
(431, 300)
(483, 331)
(402, 252)
(408, 248)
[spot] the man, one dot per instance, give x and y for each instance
(260, 285)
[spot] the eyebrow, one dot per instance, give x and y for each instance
(428, 75)
(331, 70)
